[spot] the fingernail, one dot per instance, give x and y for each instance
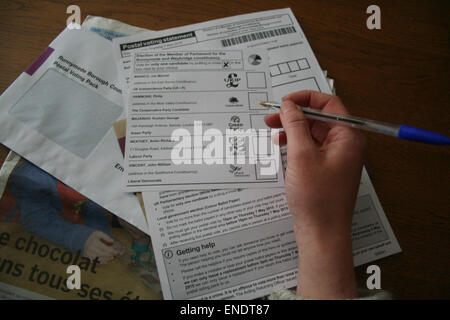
(285, 106)
(276, 138)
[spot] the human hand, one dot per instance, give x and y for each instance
(323, 173)
(100, 245)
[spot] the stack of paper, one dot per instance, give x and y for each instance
(214, 198)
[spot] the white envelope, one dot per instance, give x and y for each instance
(58, 115)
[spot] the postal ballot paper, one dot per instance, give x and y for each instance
(58, 115)
(239, 244)
(292, 67)
(207, 99)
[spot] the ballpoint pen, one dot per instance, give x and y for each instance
(400, 131)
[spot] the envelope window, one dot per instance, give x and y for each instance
(66, 112)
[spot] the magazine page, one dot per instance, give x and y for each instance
(45, 227)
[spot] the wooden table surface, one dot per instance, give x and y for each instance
(398, 74)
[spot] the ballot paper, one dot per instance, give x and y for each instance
(276, 31)
(58, 115)
(238, 244)
(194, 121)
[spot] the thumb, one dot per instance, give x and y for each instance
(296, 127)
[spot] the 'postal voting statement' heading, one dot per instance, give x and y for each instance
(152, 42)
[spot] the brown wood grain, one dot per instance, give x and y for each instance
(397, 74)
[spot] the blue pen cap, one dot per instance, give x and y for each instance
(420, 135)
